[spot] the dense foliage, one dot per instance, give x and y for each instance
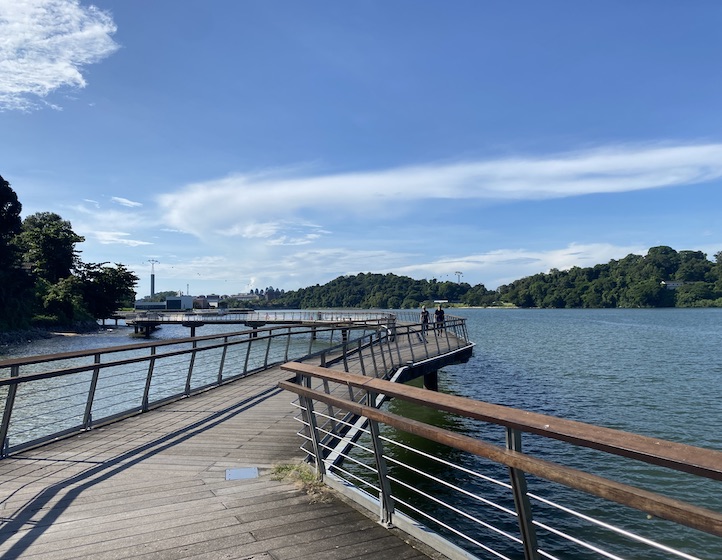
(43, 282)
(382, 291)
(634, 281)
(662, 278)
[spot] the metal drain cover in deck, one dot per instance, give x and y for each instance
(242, 473)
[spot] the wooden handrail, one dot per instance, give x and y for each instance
(681, 457)
(677, 511)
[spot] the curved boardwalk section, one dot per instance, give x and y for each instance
(191, 479)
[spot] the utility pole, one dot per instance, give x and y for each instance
(458, 277)
(152, 262)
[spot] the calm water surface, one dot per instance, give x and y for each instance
(652, 372)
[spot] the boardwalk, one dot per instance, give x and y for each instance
(155, 486)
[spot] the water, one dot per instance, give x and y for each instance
(652, 372)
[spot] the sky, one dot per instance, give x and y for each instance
(229, 145)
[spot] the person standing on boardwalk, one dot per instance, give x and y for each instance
(424, 321)
(438, 319)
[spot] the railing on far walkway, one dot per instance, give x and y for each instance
(47, 397)
(446, 497)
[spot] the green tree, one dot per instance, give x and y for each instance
(105, 289)
(48, 245)
(16, 293)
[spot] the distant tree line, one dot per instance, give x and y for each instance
(662, 278)
(634, 281)
(43, 282)
(382, 291)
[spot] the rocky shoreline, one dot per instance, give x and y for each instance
(36, 333)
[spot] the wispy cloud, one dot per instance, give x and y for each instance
(221, 205)
(125, 202)
(503, 266)
(117, 238)
(44, 45)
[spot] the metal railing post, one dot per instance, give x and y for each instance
(149, 377)
(361, 357)
(7, 413)
(248, 355)
(88, 415)
(386, 500)
(190, 368)
(521, 500)
(223, 360)
(307, 405)
(268, 351)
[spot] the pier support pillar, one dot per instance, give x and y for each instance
(431, 381)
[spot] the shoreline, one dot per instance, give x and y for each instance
(16, 338)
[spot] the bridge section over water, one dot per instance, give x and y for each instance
(146, 322)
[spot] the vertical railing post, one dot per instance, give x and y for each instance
(386, 500)
(268, 350)
(307, 404)
(372, 348)
(7, 413)
(361, 357)
(149, 377)
(248, 355)
(88, 415)
(521, 500)
(398, 350)
(382, 352)
(192, 362)
(345, 356)
(223, 360)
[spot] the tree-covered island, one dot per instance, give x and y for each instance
(663, 277)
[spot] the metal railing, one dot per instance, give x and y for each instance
(52, 396)
(497, 500)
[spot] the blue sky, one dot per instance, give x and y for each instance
(255, 143)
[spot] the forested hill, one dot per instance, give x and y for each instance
(634, 281)
(384, 291)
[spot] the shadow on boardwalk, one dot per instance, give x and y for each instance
(158, 486)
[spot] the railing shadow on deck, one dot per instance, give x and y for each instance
(373, 456)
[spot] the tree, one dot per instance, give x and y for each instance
(105, 289)
(16, 293)
(48, 245)
(10, 223)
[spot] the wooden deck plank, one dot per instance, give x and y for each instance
(154, 486)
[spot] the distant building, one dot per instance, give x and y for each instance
(183, 303)
(179, 303)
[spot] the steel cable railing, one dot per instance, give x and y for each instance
(344, 448)
(46, 397)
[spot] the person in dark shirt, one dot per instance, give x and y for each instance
(438, 319)
(424, 320)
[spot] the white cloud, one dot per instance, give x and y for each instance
(117, 238)
(125, 202)
(503, 266)
(220, 205)
(44, 44)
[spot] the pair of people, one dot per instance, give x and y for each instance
(438, 319)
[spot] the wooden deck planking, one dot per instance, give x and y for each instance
(153, 486)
